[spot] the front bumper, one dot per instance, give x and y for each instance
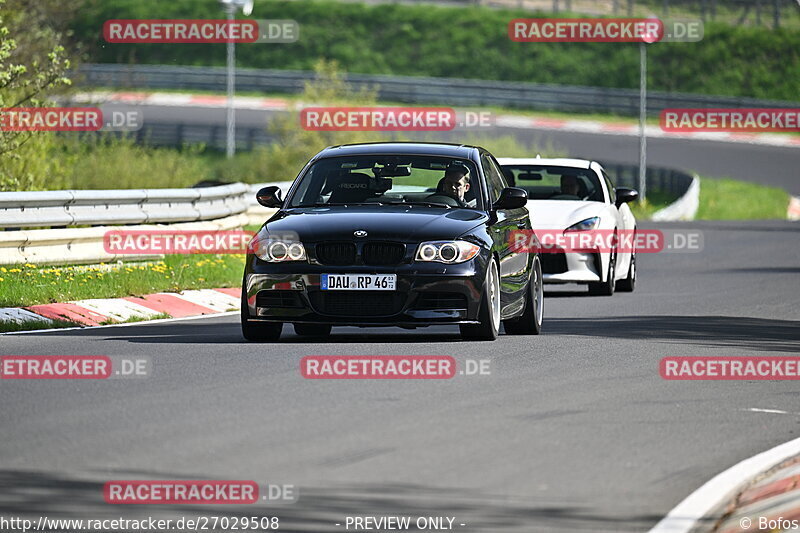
(573, 267)
(425, 294)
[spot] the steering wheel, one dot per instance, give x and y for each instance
(443, 199)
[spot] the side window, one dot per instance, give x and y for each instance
(610, 185)
(494, 177)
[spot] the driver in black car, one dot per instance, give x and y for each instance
(454, 184)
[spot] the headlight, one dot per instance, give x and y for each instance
(277, 251)
(449, 252)
(585, 225)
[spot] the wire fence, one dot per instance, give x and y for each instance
(413, 89)
(772, 13)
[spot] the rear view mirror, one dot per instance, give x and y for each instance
(391, 172)
(270, 196)
(511, 198)
(626, 195)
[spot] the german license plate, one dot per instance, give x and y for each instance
(358, 282)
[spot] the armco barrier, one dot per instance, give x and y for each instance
(231, 206)
(415, 90)
(85, 245)
(213, 208)
(677, 183)
(130, 206)
(684, 208)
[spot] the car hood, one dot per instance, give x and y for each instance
(397, 223)
(561, 214)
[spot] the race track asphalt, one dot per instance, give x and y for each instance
(778, 166)
(574, 430)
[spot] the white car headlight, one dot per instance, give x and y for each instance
(278, 251)
(449, 252)
(585, 225)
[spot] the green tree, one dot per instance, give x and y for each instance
(33, 63)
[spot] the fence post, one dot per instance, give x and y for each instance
(251, 141)
(776, 14)
(630, 8)
(665, 8)
(758, 12)
(615, 6)
(555, 6)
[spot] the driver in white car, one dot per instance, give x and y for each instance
(570, 185)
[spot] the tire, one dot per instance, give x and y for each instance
(530, 322)
(312, 330)
(489, 312)
(258, 332)
(605, 288)
(629, 283)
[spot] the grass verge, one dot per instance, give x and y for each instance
(29, 325)
(655, 200)
(25, 285)
(727, 199)
(134, 319)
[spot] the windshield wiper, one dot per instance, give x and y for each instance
(430, 204)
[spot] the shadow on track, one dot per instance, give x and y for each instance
(725, 331)
(34, 493)
(218, 332)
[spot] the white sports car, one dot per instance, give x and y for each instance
(570, 196)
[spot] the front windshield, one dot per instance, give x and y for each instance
(389, 180)
(556, 183)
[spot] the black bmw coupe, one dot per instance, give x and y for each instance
(393, 234)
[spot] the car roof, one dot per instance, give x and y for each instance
(556, 162)
(403, 148)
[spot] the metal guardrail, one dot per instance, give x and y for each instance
(220, 208)
(213, 209)
(668, 180)
(114, 207)
(413, 90)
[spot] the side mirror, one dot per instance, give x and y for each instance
(511, 198)
(626, 195)
(270, 196)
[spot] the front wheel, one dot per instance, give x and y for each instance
(629, 283)
(530, 322)
(606, 288)
(489, 313)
